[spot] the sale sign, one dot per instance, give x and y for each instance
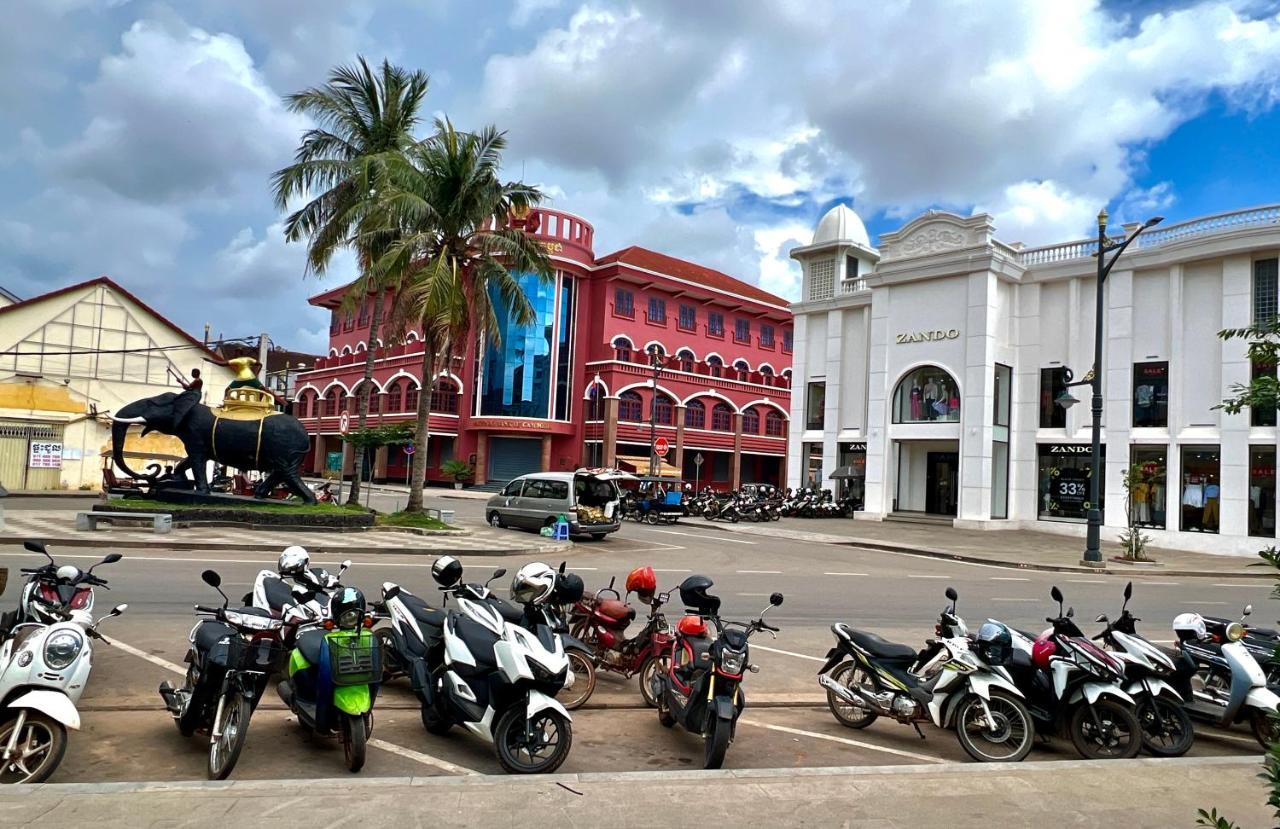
(45, 455)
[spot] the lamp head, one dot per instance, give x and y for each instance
(1102, 217)
(1152, 222)
(1066, 400)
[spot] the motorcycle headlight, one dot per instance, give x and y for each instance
(731, 661)
(349, 619)
(1235, 632)
(61, 649)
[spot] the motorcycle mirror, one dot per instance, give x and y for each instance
(775, 599)
(1071, 611)
(111, 558)
(38, 547)
(1055, 594)
(497, 574)
(1248, 609)
(118, 609)
(211, 578)
(952, 594)
(391, 592)
(1102, 619)
(344, 566)
(1128, 592)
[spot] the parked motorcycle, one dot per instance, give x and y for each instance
(295, 592)
(232, 656)
(1075, 689)
(601, 622)
(1166, 725)
(701, 690)
(949, 683)
(44, 665)
(334, 673)
(1220, 680)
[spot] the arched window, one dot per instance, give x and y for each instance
(664, 411)
(595, 402)
(926, 395)
(767, 371)
(305, 404)
(775, 425)
(373, 396)
(743, 369)
(716, 365)
(721, 418)
(393, 397)
(751, 422)
(332, 400)
(410, 397)
(684, 360)
(444, 397)
(622, 349)
(695, 415)
(630, 407)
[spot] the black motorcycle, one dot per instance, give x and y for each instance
(701, 690)
(231, 658)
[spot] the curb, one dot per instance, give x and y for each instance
(103, 541)
(275, 787)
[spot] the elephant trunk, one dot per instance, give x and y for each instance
(119, 428)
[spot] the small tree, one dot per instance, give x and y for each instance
(459, 470)
(1133, 540)
(371, 438)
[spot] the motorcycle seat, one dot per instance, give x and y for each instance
(249, 610)
(311, 644)
(278, 594)
(478, 638)
(210, 632)
(878, 647)
(420, 611)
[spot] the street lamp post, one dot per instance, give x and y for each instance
(655, 362)
(1093, 538)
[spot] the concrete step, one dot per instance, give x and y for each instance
(906, 517)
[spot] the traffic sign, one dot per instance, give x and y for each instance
(661, 447)
(344, 423)
(697, 459)
(408, 449)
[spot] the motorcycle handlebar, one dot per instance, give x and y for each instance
(202, 609)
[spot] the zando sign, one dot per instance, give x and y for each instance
(928, 336)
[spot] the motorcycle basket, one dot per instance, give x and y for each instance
(354, 660)
(263, 654)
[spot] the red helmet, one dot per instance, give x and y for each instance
(1041, 650)
(692, 626)
(642, 582)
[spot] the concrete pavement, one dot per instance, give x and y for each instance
(1134, 794)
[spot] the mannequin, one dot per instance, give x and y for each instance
(931, 396)
(917, 400)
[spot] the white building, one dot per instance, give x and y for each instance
(927, 374)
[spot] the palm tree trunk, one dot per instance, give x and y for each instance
(422, 432)
(366, 387)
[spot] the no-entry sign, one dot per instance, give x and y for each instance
(661, 447)
(344, 423)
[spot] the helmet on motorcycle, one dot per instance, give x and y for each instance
(693, 592)
(533, 583)
(642, 582)
(692, 626)
(293, 561)
(995, 644)
(347, 608)
(569, 589)
(1189, 627)
(1041, 650)
(447, 571)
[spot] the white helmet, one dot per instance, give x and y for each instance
(1189, 627)
(533, 584)
(293, 560)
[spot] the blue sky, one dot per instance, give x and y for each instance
(137, 137)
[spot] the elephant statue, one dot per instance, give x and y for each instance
(273, 442)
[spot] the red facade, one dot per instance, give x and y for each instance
(576, 389)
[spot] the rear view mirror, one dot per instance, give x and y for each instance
(1102, 619)
(211, 578)
(112, 558)
(118, 609)
(1071, 611)
(775, 599)
(35, 547)
(499, 573)
(1055, 594)
(1248, 609)
(952, 594)
(1128, 591)
(346, 565)
(391, 592)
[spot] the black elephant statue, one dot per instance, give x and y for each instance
(273, 442)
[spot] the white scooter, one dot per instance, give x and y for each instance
(44, 667)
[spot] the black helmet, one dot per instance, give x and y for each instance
(995, 644)
(693, 592)
(347, 608)
(447, 571)
(568, 590)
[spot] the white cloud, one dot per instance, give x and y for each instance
(525, 10)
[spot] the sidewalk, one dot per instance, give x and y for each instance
(57, 528)
(427, 492)
(1010, 548)
(1128, 793)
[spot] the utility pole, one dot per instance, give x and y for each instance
(262, 357)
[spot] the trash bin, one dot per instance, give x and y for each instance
(446, 516)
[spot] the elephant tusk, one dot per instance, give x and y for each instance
(142, 420)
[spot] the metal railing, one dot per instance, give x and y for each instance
(1218, 223)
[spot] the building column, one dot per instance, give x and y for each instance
(610, 454)
(799, 388)
(546, 453)
(482, 457)
(679, 413)
(1117, 391)
(736, 470)
(317, 462)
(1233, 471)
(834, 393)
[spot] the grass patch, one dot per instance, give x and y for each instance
(285, 507)
(417, 520)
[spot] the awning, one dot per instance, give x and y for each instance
(845, 472)
(640, 465)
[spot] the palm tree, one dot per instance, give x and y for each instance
(457, 253)
(362, 119)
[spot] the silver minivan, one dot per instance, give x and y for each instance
(589, 501)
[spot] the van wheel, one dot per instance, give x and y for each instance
(496, 521)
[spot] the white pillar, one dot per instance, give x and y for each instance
(1117, 389)
(1233, 476)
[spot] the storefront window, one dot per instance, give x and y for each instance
(1065, 471)
(851, 474)
(1151, 394)
(926, 395)
(813, 465)
(1053, 382)
(1262, 491)
(815, 404)
(1201, 492)
(1262, 415)
(1147, 494)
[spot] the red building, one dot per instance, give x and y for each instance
(576, 388)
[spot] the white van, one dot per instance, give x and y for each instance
(589, 501)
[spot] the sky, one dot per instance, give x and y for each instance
(137, 138)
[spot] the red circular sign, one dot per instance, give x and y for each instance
(344, 423)
(661, 447)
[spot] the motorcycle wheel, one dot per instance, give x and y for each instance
(1121, 736)
(1265, 728)
(584, 680)
(665, 718)
(652, 668)
(849, 674)
(717, 742)
(1006, 740)
(552, 738)
(435, 722)
(355, 738)
(42, 741)
(733, 518)
(1166, 727)
(224, 751)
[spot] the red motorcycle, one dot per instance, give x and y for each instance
(601, 621)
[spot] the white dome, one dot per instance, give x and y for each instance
(841, 224)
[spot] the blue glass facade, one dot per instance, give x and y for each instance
(517, 366)
(564, 359)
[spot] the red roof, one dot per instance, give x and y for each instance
(115, 286)
(688, 271)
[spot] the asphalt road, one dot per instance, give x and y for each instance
(126, 736)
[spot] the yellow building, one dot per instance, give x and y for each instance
(69, 358)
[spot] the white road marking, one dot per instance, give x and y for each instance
(844, 574)
(141, 654)
(918, 576)
(657, 570)
(1211, 602)
(425, 759)
(789, 653)
(753, 595)
(708, 537)
(1014, 600)
(1159, 583)
(1254, 586)
(760, 572)
(1008, 578)
(924, 758)
(1086, 581)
